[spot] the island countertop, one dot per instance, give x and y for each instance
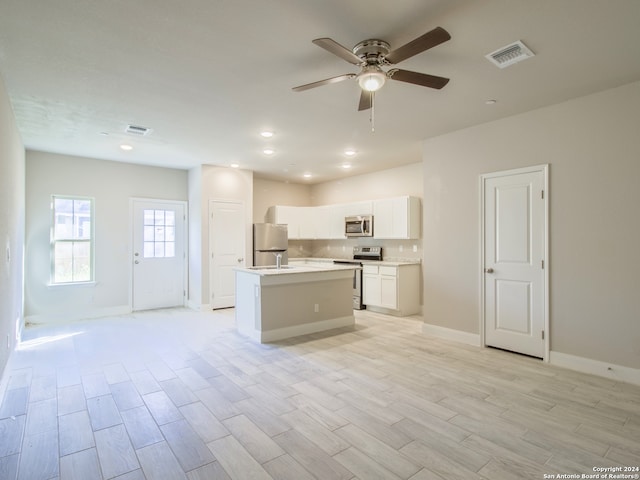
(325, 261)
(296, 268)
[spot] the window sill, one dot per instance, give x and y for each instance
(91, 284)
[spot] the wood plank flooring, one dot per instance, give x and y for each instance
(177, 394)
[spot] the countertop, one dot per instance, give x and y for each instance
(301, 267)
(317, 260)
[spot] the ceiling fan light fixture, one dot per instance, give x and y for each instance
(372, 78)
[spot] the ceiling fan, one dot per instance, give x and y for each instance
(371, 55)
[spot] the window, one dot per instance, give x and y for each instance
(159, 233)
(72, 240)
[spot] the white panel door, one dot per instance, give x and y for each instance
(514, 247)
(159, 257)
(227, 247)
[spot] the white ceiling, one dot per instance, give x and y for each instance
(208, 75)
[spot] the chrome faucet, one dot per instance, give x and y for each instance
(278, 260)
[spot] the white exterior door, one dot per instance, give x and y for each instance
(227, 248)
(159, 262)
(514, 252)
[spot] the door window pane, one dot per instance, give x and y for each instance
(148, 249)
(148, 235)
(159, 233)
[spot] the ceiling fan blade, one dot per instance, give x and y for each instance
(429, 40)
(416, 78)
(365, 101)
(326, 81)
(334, 47)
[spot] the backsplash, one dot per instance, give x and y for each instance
(392, 250)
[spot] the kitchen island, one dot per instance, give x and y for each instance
(274, 304)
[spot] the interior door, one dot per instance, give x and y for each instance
(227, 247)
(514, 254)
(159, 256)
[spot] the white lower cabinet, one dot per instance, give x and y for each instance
(371, 286)
(392, 289)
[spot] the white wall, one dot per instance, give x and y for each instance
(112, 185)
(393, 182)
(196, 217)
(12, 181)
(592, 145)
(208, 183)
(270, 192)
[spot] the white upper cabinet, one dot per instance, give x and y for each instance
(392, 218)
(291, 216)
(397, 218)
(333, 219)
(357, 208)
(309, 226)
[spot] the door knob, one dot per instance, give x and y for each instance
(240, 260)
(488, 270)
(137, 262)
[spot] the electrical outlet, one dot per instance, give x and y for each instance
(415, 248)
(316, 308)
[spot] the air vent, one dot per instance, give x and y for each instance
(506, 56)
(137, 130)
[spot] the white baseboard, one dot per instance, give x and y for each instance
(63, 317)
(451, 334)
(595, 367)
(302, 329)
(198, 307)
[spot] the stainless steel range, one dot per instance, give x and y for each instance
(360, 253)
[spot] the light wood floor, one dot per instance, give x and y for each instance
(178, 394)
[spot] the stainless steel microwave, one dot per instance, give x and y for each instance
(358, 226)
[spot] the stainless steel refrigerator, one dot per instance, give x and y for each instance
(269, 241)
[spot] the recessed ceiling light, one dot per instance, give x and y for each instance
(234, 165)
(268, 151)
(307, 175)
(126, 147)
(491, 101)
(266, 134)
(104, 134)
(346, 166)
(349, 153)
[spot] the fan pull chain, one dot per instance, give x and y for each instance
(372, 118)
